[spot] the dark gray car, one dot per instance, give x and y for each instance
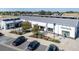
(53, 47)
(33, 45)
(19, 41)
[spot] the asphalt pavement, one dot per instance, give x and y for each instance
(5, 48)
(8, 41)
(24, 46)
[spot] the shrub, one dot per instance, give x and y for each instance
(35, 29)
(39, 34)
(15, 32)
(26, 25)
(26, 31)
(55, 40)
(20, 33)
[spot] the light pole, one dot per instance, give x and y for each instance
(54, 29)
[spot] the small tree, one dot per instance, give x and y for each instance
(42, 12)
(49, 13)
(26, 25)
(35, 28)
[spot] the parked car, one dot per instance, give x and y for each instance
(19, 41)
(1, 34)
(33, 45)
(53, 47)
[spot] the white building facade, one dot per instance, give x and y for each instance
(64, 27)
(59, 26)
(7, 23)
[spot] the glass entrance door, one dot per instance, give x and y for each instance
(66, 33)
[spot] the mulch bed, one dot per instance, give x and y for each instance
(40, 37)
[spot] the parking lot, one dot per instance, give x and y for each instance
(66, 44)
(5, 48)
(4, 39)
(8, 41)
(25, 44)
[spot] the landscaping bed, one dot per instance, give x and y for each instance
(19, 33)
(41, 36)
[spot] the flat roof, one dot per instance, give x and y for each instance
(71, 14)
(8, 17)
(60, 21)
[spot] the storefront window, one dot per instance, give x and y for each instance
(66, 33)
(10, 25)
(41, 28)
(50, 29)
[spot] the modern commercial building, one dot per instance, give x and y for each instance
(60, 26)
(7, 22)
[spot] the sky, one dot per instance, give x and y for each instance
(38, 9)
